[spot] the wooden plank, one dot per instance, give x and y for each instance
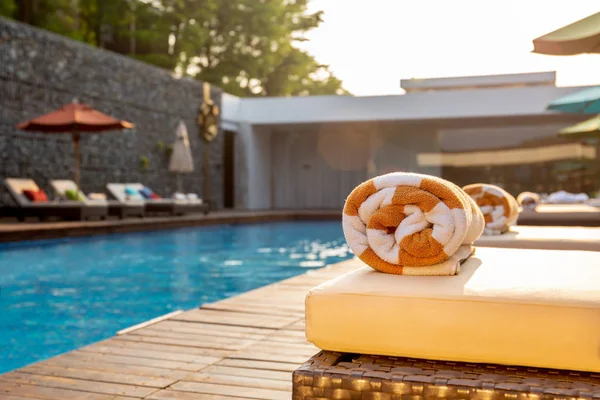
(288, 333)
(252, 393)
(222, 330)
(233, 318)
(167, 348)
(215, 337)
(259, 364)
(244, 381)
(184, 343)
(268, 348)
(297, 326)
(264, 309)
(136, 360)
(77, 384)
(158, 355)
(72, 362)
(299, 346)
(254, 310)
(285, 339)
(261, 356)
(242, 300)
(9, 397)
(283, 295)
(98, 376)
(252, 373)
(177, 395)
(52, 393)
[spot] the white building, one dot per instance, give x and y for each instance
(310, 152)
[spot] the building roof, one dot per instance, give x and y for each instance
(446, 104)
(482, 81)
(492, 96)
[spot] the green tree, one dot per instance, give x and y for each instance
(250, 50)
(247, 47)
(7, 8)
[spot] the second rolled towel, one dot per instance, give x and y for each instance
(500, 209)
(411, 224)
(529, 200)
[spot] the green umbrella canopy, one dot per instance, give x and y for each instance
(580, 37)
(590, 126)
(586, 101)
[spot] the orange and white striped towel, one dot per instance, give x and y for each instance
(500, 209)
(411, 224)
(529, 200)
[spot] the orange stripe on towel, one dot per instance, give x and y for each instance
(370, 258)
(387, 219)
(358, 196)
(415, 196)
(420, 249)
(446, 194)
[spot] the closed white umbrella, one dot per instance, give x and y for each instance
(181, 158)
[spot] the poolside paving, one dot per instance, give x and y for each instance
(244, 347)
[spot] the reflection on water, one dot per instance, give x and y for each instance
(62, 294)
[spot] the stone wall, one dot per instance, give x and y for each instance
(40, 72)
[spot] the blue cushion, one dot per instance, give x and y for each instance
(132, 193)
(146, 192)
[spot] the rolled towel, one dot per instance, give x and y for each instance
(500, 209)
(411, 224)
(529, 200)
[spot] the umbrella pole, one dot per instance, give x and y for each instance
(179, 186)
(76, 153)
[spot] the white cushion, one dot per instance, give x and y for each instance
(536, 308)
(541, 237)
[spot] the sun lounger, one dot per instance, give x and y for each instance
(545, 237)
(101, 207)
(40, 209)
(512, 320)
(561, 215)
(157, 205)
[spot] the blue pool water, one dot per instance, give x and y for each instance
(58, 295)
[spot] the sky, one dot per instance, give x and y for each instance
(371, 45)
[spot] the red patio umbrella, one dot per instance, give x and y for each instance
(74, 118)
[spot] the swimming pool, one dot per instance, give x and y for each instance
(58, 295)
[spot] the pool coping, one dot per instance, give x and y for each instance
(21, 231)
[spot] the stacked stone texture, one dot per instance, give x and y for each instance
(40, 72)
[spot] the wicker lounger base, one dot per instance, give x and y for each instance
(331, 375)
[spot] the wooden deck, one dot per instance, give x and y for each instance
(243, 347)
(18, 231)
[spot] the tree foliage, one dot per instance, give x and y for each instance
(247, 47)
